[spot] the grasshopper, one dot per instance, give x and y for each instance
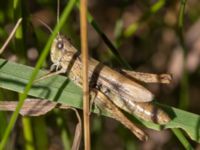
(120, 86)
(121, 90)
(112, 88)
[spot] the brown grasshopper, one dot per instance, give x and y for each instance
(110, 88)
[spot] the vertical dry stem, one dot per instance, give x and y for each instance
(84, 50)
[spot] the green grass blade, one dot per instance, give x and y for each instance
(65, 136)
(28, 135)
(182, 139)
(60, 89)
(40, 131)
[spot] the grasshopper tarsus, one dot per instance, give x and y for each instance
(166, 78)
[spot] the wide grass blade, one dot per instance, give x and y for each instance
(60, 89)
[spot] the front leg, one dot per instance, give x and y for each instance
(49, 74)
(103, 102)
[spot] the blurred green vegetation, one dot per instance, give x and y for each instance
(149, 36)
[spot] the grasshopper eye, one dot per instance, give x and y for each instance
(60, 45)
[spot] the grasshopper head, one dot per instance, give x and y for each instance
(59, 49)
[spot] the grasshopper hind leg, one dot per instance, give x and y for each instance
(93, 95)
(105, 104)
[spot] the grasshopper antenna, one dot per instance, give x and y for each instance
(49, 74)
(45, 25)
(58, 13)
(11, 35)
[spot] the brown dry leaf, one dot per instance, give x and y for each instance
(78, 132)
(31, 107)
